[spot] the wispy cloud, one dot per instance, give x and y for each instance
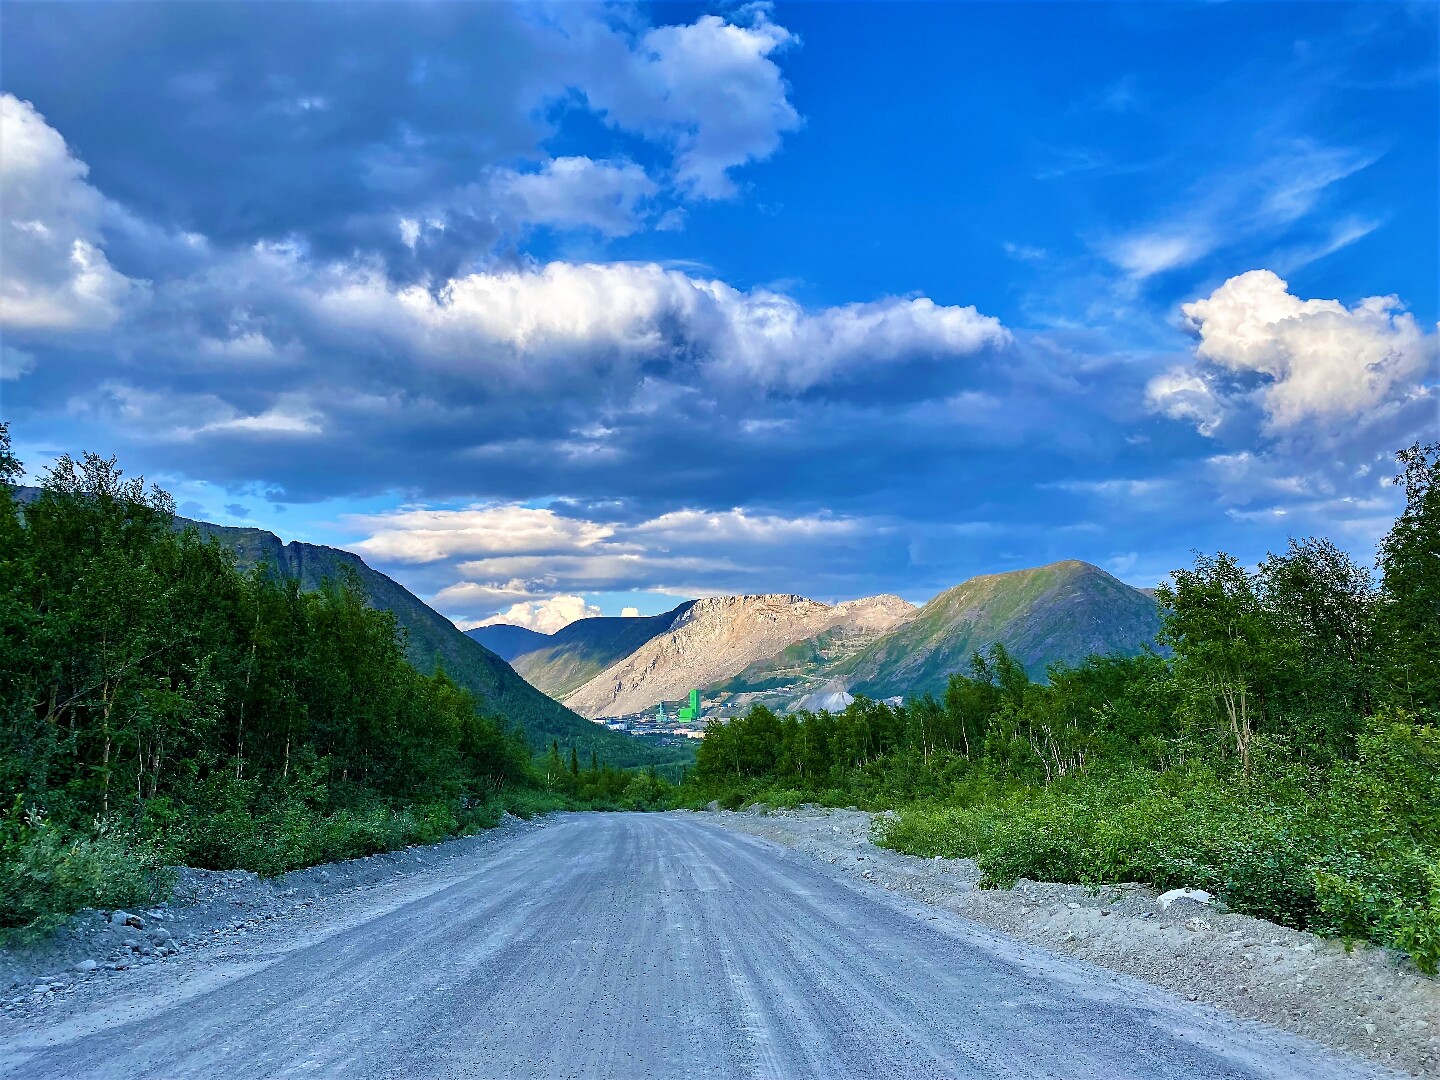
(1238, 205)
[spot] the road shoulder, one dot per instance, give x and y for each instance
(1365, 1001)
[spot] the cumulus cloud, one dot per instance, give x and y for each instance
(371, 152)
(55, 275)
(545, 616)
(574, 192)
(538, 322)
(630, 613)
(710, 88)
(1315, 361)
(423, 535)
(1183, 395)
(508, 555)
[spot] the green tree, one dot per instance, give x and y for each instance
(1213, 620)
(1410, 584)
(1320, 604)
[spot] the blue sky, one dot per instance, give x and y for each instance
(549, 310)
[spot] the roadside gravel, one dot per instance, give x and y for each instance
(633, 947)
(1367, 1000)
(215, 910)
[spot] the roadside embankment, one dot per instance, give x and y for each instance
(1364, 1000)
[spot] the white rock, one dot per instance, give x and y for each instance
(1200, 896)
(86, 965)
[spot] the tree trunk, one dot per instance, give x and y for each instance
(105, 758)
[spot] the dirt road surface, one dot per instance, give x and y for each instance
(641, 946)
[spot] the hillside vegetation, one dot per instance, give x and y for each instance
(160, 706)
(429, 639)
(1284, 754)
(1059, 613)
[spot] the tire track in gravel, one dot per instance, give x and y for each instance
(646, 946)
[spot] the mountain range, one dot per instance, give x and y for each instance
(782, 649)
(564, 661)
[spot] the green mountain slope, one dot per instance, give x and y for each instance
(1063, 612)
(506, 641)
(797, 670)
(575, 654)
(430, 636)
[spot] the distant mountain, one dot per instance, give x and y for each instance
(806, 668)
(714, 639)
(782, 650)
(506, 641)
(1063, 613)
(575, 654)
(429, 635)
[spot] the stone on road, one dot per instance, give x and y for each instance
(642, 945)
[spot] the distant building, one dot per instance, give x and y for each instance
(691, 709)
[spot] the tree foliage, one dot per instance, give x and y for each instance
(1281, 749)
(221, 718)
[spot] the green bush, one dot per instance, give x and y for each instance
(1351, 854)
(46, 871)
(1416, 927)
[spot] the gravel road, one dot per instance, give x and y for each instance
(633, 946)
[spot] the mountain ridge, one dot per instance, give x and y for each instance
(779, 648)
(506, 640)
(713, 639)
(581, 650)
(1058, 613)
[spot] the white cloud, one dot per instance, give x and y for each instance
(243, 346)
(574, 192)
(1025, 252)
(292, 417)
(710, 88)
(474, 596)
(737, 526)
(1145, 254)
(1136, 491)
(541, 323)
(614, 568)
(420, 535)
(1318, 361)
(15, 363)
(1259, 201)
(630, 613)
(511, 556)
(1183, 395)
(54, 275)
(545, 616)
(175, 417)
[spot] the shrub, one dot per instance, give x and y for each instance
(46, 871)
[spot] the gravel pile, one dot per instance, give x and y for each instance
(1368, 1000)
(208, 909)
